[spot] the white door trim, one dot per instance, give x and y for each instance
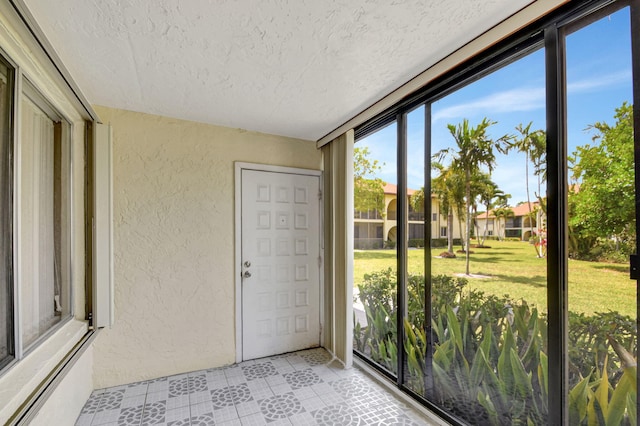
(239, 167)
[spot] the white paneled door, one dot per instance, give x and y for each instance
(280, 257)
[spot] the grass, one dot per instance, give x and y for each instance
(515, 270)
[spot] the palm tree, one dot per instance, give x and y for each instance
(449, 188)
(539, 158)
(490, 196)
(503, 213)
(474, 149)
(533, 145)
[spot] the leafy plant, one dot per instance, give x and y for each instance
(489, 353)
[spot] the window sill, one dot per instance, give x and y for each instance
(24, 376)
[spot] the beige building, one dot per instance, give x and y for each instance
(373, 229)
(524, 218)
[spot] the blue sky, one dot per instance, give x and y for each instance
(598, 81)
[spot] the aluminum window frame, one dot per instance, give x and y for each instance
(549, 33)
(10, 262)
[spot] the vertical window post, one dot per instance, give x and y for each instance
(401, 245)
(557, 226)
(428, 376)
(635, 53)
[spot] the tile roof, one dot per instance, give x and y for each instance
(390, 188)
(519, 210)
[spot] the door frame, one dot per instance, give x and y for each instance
(239, 167)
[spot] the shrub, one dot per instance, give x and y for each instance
(438, 242)
(416, 242)
(489, 353)
(600, 250)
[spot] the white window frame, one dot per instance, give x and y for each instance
(20, 350)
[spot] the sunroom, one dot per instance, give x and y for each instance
(178, 183)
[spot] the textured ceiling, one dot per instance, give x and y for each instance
(297, 68)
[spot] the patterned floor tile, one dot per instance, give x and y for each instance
(111, 400)
(157, 396)
(276, 380)
(316, 356)
(304, 393)
(302, 378)
(351, 387)
(234, 422)
(253, 420)
(178, 387)
(225, 414)
(177, 402)
(247, 408)
(302, 419)
(399, 421)
(204, 408)
(206, 419)
(338, 415)
(302, 388)
(198, 383)
(130, 416)
(158, 385)
(84, 420)
(231, 395)
(106, 416)
(154, 413)
(280, 406)
(281, 389)
(134, 401)
(92, 405)
(236, 380)
(312, 404)
(178, 416)
(259, 371)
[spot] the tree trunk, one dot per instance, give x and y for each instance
(468, 230)
(460, 230)
(450, 232)
(526, 168)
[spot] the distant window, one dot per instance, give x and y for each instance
(443, 231)
(434, 217)
(416, 231)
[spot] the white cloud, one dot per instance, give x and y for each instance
(522, 99)
(526, 98)
(599, 82)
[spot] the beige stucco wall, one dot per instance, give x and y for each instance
(174, 242)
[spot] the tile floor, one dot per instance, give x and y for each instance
(302, 388)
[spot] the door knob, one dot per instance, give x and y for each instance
(246, 274)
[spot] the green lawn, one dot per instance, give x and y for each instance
(515, 270)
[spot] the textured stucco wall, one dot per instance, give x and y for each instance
(174, 242)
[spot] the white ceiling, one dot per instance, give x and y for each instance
(296, 68)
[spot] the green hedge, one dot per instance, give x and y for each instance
(490, 353)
